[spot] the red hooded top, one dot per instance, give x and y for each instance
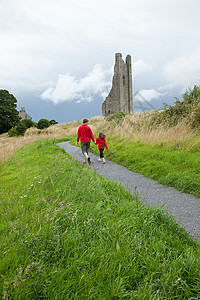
(101, 143)
(85, 134)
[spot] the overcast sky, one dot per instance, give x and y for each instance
(57, 56)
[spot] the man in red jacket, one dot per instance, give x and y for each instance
(85, 135)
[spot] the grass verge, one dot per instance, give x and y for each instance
(67, 233)
(167, 165)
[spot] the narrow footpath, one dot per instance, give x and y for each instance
(185, 208)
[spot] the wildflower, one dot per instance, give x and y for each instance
(177, 281)
(5, 284)
(16, 282)
(19, 270)
(25, 273)
(5, 297)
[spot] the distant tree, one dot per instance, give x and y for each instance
(8, 113)
(35, 124)
(53, 122)
(43, 123)
(28, 123)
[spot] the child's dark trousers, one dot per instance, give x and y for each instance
(101, 153)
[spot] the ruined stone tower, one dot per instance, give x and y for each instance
(120, 98)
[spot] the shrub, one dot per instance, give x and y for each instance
(21, 128)
(117, 116)
(187, 110)
(27, 123)
(17, 130)
(53, 122)
(43, 123)
(13, 131)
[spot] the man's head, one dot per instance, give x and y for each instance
(85, 121)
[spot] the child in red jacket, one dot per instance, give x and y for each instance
(101, 145)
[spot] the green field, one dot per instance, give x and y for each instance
(167, 165)
(67, 233)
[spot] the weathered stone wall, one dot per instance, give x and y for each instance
(120, 98)
(23, 114)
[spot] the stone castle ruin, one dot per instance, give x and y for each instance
(23, 115)
(120, 98)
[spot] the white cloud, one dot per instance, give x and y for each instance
(183, 71)
(147, 95)
(167, 86)
(140, 67)
(68, 88)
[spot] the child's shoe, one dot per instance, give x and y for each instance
(104, 161)
(99, 159)
(89, 162)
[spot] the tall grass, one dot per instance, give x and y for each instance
(170, 167)
(136, 127)
(170, 155)
(67, 233)
(9, 145)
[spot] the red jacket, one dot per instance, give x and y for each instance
(101, 143)
(85, 134)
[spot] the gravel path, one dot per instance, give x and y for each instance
(185, 208)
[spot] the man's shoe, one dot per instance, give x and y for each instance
(88, 160)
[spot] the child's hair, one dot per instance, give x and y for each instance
(85, 121)
(102, 135)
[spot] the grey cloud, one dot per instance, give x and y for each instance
(42, 39)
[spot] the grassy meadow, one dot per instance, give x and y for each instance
(165, 164)
(67, 233)
(169, 155)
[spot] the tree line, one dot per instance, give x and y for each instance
(9, 117)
